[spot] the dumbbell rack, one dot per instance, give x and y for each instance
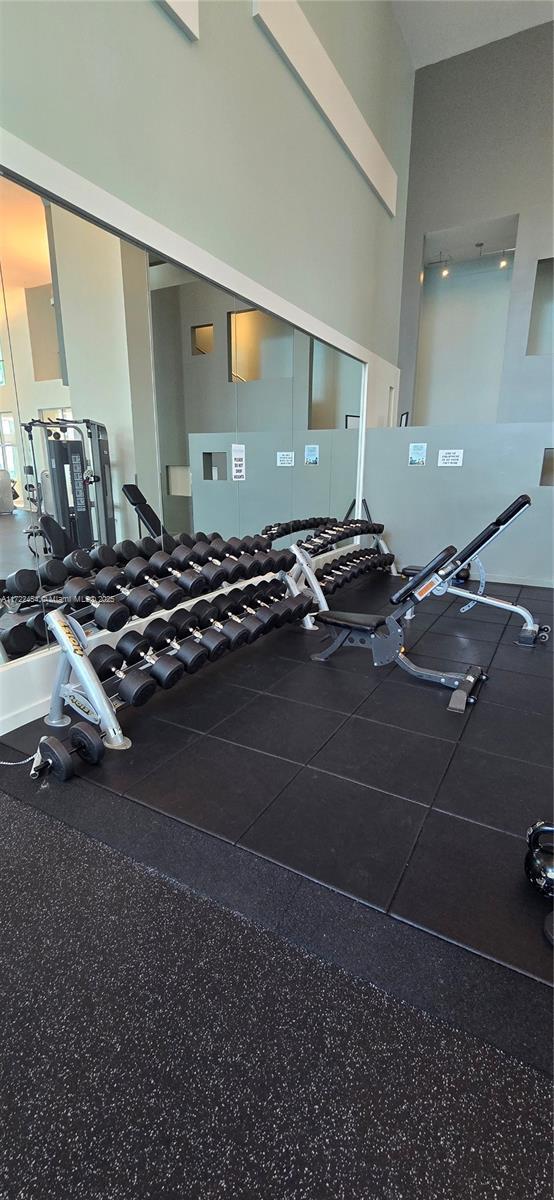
(87, 696)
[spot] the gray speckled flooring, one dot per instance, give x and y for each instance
(158, 1046)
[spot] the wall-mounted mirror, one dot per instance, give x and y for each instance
(119, 367)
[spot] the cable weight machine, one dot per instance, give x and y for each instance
(76, 486)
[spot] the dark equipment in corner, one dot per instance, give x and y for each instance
(76, 487)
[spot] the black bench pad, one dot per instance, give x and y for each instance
(346, 620)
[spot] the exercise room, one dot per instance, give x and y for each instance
(276, 599)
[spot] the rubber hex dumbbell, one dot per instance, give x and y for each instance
(233, 549)
(105, 614)
(168, 594)
(134, 648)
(263, 597)
(164, 635)
(208, 616)
(193, 578)
(189, 626)
(103, 556)
(21, 583)
(249, 622)
(195, 559)
(134, 687)
(243, 601)
(15, 637)
(140, 601)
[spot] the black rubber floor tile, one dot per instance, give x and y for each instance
(233, 1062)
(516, 690)
(543, 594)
(27, 737)
(504, 793)
(390, 759)
(215, 786)
(254, 671)
(153, 744)
(504, 591)
(325, 686)
(202, 703)
(352, 838)
(505, 1008)
(458, 647)
(513, 732)
(479, 612)
(358, 660)
(467, 883)
(273, 725)
(530, 660)
(468, 627)
(422, 709)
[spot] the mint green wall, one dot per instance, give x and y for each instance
(218, 140)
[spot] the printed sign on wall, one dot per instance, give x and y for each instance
(238, 463)
(450, 458)
(311, 456)
(417, 456)
(285, 458)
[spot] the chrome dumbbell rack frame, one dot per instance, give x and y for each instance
(86, 695)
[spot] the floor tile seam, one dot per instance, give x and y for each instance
(529, 762)
(443, 937)
(509, 757)
(329, 887)
(269, 805)
(422, 827)
(436, 737)
(368, 786)
(521, 837)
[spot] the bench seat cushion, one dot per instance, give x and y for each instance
(350, 620)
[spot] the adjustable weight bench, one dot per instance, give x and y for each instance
(530, 631)
(384, 636)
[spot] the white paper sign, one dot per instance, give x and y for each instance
(450, 458)
(311, 456)
(285, 458)
(418, 454)
(238, 463)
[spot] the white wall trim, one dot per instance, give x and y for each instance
(185, 14)
(292, 34)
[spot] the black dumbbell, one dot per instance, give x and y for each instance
(254, 542)
(188, 625)
(164, 635)
(244, 601)
(250, 623)
(147, 546)
(105, 614)
(140, 601)
(234, 549)
(164, 668)
(79, 562)
(263, 598)
(103, 556)
(52, 573)
(21, 583)
(191, 580)
(275, 593)
(190, 561)
(208, 616)
(86, 741)
(15, 637)
(125, 550)
(167, 593)
(134, 687)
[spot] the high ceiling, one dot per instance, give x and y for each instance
(437, 29)
(461, 244)
(24, 256)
